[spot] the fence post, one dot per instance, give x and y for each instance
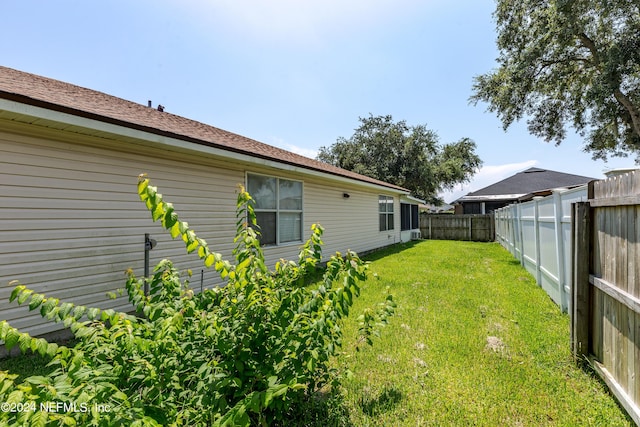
(513, 218)
(492, 228)
(520, 236)
(580, 297)
(536, 229)
(560, 251)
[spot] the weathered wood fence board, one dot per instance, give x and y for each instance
(605, 316)
(477, 228)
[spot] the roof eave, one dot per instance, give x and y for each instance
(414, 199)
(41, 109)
(494, 197)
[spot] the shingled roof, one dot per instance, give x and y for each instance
(63, 97)
(532, 180)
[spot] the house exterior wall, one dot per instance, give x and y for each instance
(72, 222)
(484, 207)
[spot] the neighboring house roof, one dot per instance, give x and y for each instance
(527, 182)
(38, 91)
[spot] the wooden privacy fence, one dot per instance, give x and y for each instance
(605, 315)
(538, 234)
(477, 228)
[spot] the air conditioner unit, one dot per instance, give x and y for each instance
(415, 235)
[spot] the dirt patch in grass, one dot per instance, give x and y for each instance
(495, 344)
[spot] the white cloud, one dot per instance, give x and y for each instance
(307, 152)
(302, 151)
(486, 176)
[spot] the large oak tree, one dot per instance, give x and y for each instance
(568, 63)
(408, 156)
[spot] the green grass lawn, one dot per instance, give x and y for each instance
(26, 366)
(474, 342)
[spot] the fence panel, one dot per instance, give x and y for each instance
(477, 228)
(538, 233)
(605, 321)
(583, 247)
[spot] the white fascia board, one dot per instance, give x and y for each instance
(123, 131)
(413, 199)
(490, 197)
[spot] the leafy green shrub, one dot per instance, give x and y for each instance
(237, 355)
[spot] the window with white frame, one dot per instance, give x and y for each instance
(278, 208)
(385, 210)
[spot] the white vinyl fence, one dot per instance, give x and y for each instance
(538, 234)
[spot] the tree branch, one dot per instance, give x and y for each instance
(548, 62)
(620, 96)
(590, 44)
(544, 64)
(623, 99)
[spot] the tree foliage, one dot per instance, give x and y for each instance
(408, 156)
(568, 63)
(243, 354)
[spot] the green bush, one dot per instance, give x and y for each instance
(241, 354)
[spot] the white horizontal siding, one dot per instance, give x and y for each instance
(72, 222)
(350, 223)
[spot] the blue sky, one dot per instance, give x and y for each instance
(292, 73)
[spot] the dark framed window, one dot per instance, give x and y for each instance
(385, 212)
(409, 217)
(278, 208)
(471, 208)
